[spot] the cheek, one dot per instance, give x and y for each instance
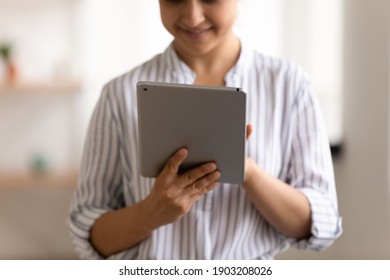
(167, 15)
(225, 17)
(226, 23)
(168, 20)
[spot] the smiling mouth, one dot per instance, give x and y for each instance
(196, 33)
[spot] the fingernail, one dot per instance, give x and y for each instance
(211, 166)
(216, 175)
(182, 152)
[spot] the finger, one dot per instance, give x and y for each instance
(174, 162)
(209, 187)
(249, 130)
(195, 174)
(203, 185)
(196, 193)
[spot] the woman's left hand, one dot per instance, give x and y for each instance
(249, 163)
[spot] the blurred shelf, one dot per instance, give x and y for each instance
(60, 87)
(25, 179)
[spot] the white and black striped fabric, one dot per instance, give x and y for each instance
(289, 142)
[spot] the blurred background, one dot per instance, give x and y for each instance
(55, 55)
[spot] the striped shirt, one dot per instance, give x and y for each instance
(289, 141)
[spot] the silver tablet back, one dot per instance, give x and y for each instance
(209, 121)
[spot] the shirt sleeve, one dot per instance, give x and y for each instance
(100, 185)
(311, 171)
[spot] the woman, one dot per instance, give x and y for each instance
(288, 195)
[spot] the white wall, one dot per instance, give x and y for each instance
(312, 36)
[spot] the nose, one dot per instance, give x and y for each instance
(193, 13)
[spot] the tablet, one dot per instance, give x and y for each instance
(209, 121)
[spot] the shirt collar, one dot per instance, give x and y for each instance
(235, 76)
(181, 73)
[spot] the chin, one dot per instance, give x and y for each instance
(196, 51)
(195, 48)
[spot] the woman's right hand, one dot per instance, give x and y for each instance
(173, 194)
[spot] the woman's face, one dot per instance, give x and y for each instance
(199, 26)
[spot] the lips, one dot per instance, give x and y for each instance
(196, 33)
